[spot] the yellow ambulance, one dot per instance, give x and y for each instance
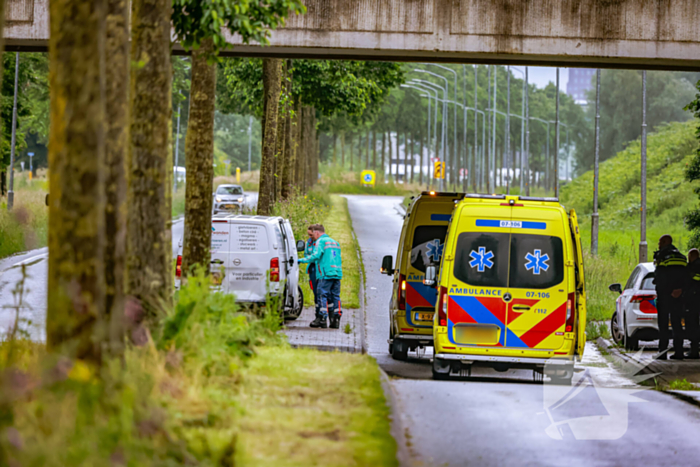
(421, 243)
(511, 290)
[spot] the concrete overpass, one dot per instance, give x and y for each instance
(646, 34)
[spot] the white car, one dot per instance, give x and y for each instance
(253, 256)
(635, 318)
(229, 198)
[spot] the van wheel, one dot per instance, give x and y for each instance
(399, 350)
(441, 369)
(298, 307)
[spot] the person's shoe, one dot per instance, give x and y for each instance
(676, 356)
(692, 355)
(319, 323)
(660, 356)
(335, 322)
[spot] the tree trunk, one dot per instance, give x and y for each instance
(76, 163)
(335, 149)
(272, 71)
(149, 252)
(287, 172)
(369, 140)
(342, 149)
(299, 173)
(374, 151)
(383, 166)
(199, 147)
(116, 156)
(281, 134)
(391, 156)
(3, 176)
(351, 154)
(420, 163)
(408, 161)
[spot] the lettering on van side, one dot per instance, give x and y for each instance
(474, 292)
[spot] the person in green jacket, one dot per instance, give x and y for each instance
(329, 268)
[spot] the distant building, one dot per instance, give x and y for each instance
(580, 81)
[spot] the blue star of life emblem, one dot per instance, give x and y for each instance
(435, 250)
(481, 260)
(537, 262)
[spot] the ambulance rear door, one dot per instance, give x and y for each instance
(580, 284)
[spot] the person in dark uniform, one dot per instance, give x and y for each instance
(692, 304)
(311, 269)
(670, 278)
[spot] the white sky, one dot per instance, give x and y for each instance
(541, 75)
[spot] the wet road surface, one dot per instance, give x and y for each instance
(506, 418)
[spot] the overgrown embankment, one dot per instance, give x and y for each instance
(26, 226)
(669, 198)
(213, 386)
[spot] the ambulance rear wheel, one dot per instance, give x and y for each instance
(399, 350)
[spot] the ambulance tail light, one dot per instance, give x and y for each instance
(570, 313)
(402, 292)
(275, 270)
(442, 307)
(178, 266)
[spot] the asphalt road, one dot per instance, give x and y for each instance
(505, 418)
(34, 309)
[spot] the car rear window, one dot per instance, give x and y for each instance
(537, 261)
(428, 241)
(648, 282)
(249, 238)
(482, 259)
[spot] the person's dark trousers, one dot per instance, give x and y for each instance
(330, 298)
(692, 327)
(313, 279)
(669, 307)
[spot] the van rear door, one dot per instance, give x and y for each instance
(580, 285)
(220, 240)
(476, 310)
(249, 260)
(538, 281)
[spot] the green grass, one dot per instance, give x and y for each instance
(595, 330)
(215, 386)
(682, 385)
(304, 407)
(339, 227)
(26, 226)
(178, 208)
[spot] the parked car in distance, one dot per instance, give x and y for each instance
(635, 317)
(252, 256)
(229, 198)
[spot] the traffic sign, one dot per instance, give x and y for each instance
(439, 170)
(367, 178)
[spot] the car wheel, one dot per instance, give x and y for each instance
(616, 329)
(399, 350)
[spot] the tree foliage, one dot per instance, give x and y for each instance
(692, 173)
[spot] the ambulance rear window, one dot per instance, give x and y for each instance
(428, 242)
(537, 261)
(481, 259)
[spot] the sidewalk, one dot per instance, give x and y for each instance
(301, 335)
(668, 370)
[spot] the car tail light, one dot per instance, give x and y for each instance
(570, 313)
(642, 298)
(178, 266)
(402, 292)
(442, 307)
(275, 270)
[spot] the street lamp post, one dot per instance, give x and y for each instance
(643, 221)
(527, 136)
(594, 216)
(419, 84)
(454, 144)
(556, 150)
(250, 140)
(424, 93)
(177, 149)
(476, 129)
(446, 91)
(11, 192)
(506, 159)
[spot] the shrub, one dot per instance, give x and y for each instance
(304, 210)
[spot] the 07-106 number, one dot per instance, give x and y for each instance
(537, 294)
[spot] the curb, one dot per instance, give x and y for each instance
(398, 432)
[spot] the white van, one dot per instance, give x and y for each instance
(254, 252)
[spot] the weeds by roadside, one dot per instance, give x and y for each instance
(682, 385)
(595, 330)
(26, 226)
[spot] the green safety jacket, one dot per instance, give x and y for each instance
(326, 255)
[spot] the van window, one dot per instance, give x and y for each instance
(482, 259)
(537, 261)
(249, 237)
(427, 242)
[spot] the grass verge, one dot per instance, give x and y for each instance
(304, 407)
(213, 386)
(339, 227)
(26, 226)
